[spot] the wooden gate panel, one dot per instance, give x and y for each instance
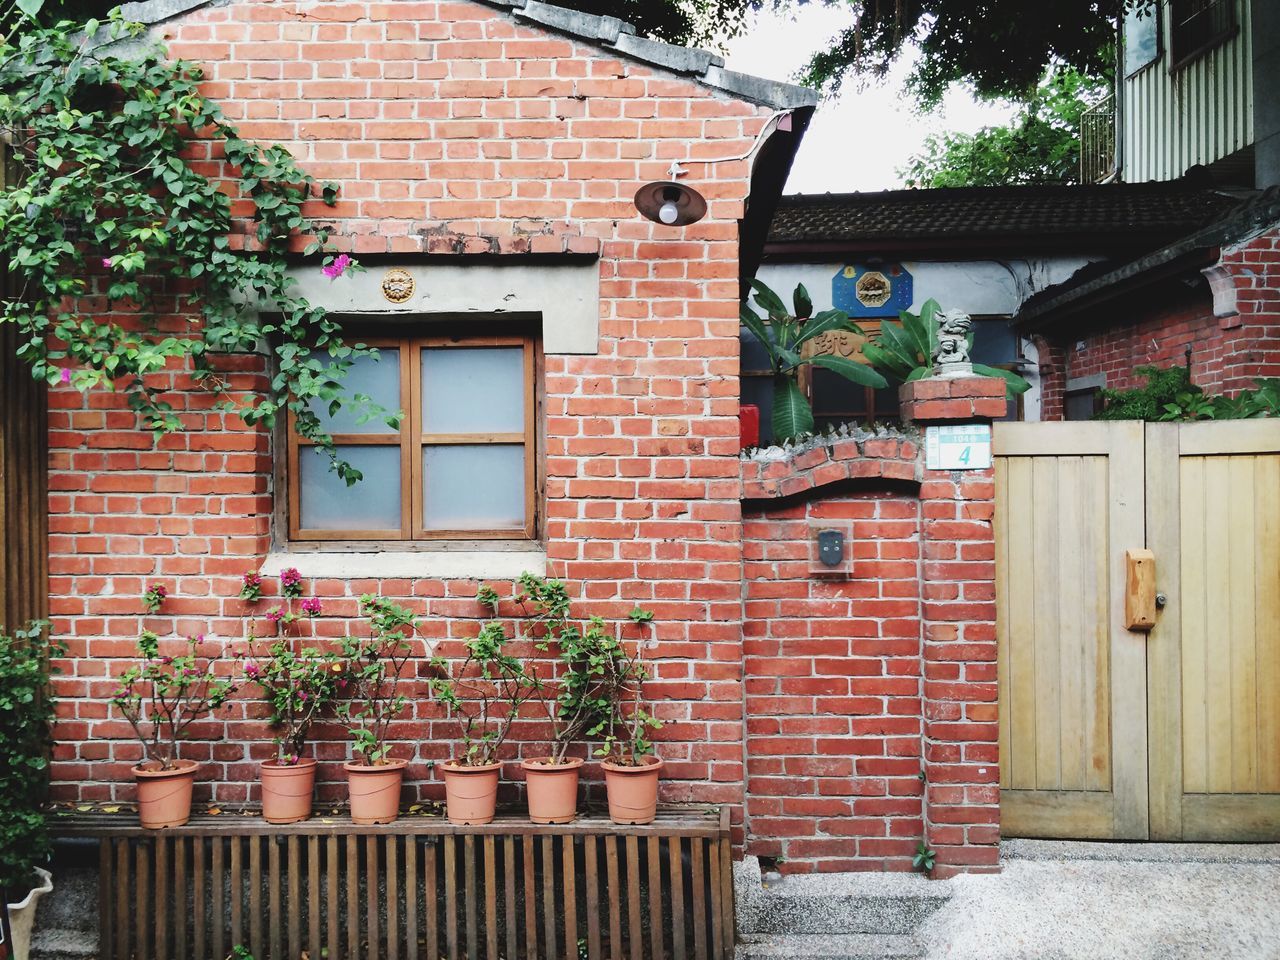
(1073, 738)
(1215, 652)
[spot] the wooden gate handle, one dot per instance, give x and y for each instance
(1140, 601)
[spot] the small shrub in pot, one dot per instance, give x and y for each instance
(483, 693)
(551, 781)
(160, 698)
(300, 685)
(374, 666)
(631, 768)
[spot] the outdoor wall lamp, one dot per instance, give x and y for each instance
(670, 203)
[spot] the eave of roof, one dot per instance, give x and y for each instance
(615, 35)
(945, 222)
(1095, 284)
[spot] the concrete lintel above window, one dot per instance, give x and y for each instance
(565, 292)
(498, 564)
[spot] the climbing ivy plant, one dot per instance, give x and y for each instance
(146, 235)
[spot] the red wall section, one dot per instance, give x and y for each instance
(1227, 352)
(833, 684)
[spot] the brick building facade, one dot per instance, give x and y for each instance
(491, 150)
(1209, 301)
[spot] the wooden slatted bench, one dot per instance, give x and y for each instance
(417, 889)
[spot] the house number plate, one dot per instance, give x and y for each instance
(959, 447)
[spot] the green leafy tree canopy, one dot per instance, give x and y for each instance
(1039, 145)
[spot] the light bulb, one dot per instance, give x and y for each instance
(669, 213)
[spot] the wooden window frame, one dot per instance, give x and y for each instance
(1178, 57)
(412, 442)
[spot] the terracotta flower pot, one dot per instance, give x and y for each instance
(632, 791)
(553, 789)
(375, 790)
(287, 790)
(164, 796)
(471, 793)
(22, 915)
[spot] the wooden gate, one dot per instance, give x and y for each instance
(1113, 733)
(24, 510)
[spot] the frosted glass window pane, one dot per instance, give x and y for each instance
(473, 390)
(473, 487)
(329, 504)
(379, 380)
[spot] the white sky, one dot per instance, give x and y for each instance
(859, 141)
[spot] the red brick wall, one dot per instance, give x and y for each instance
(833, 661)
(870, 692)
(454, 131)
(1227, 352)
(451, 128)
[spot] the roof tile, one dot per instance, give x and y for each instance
(949, 214)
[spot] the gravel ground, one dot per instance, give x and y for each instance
(1099, 909)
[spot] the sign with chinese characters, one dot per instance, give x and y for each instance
(958, 447)
(880, 291)
(836, 343)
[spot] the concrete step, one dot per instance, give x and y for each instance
(64, 945)
(836, 903)
(848, 946)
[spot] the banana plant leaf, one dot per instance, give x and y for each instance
(792, 416)
(859, 373)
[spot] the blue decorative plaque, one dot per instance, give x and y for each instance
(882, 290)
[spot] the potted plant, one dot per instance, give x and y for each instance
(631, 769)
(484, 695)
(26, 717)
(373, 669)
(161, 698)
(299, 687)
(570, 699)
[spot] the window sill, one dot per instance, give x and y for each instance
(493, 564)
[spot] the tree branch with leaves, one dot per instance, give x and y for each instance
(128, 258)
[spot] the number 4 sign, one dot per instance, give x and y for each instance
(959, 447)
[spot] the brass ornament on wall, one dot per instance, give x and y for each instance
(874, 289)
(398, 286)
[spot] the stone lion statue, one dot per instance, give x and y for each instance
(952, 352)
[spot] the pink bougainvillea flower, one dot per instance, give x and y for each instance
(311, 606)
(275, 615)
(338, 267)
(106, 262)
(66, 374)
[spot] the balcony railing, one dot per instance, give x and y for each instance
(1098, 141)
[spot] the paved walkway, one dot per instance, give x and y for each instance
(1091, 901)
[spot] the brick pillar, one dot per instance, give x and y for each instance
(961, 729)
(1053, 379)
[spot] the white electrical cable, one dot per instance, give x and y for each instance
(677, 166)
